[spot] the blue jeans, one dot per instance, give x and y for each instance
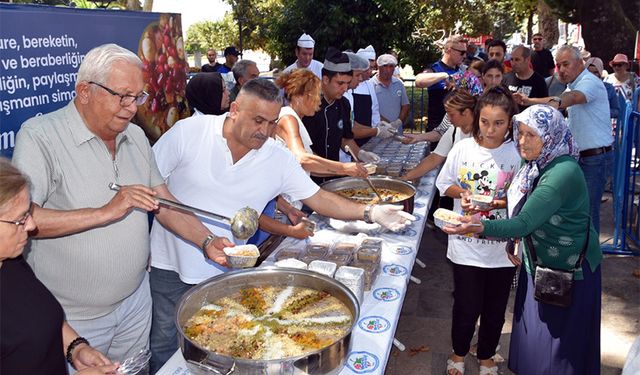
(166, 291)
(596, 169)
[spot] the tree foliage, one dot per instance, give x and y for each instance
(345, 24)
(386, 24)
(208, 34)
(607, 27)
(255, 17)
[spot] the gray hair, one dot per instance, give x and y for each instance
(262, 89)
(451, 40)
(526, 51)
(575, 52)
(98, 62)
(240, 68)
(12, 181)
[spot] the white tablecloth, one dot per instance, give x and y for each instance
(380, 310)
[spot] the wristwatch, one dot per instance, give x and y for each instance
(206, 242)
(367, 214)
(556, 99)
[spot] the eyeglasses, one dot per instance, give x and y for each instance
(534, 39)
(125, 99)
(617, 65)
(22, 221)
(461, 51)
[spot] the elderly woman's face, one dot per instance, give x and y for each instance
(529, 141)
(13, 238)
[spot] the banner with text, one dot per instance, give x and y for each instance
(41, 48)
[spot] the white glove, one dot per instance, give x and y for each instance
(397, 124)
(384, 131)
(391, 217)
(368, 157)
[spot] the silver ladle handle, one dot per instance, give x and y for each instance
(353, 155)
(167, 202)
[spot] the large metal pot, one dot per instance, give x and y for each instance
(328, 360)
(384, 182)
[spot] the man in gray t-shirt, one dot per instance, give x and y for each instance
(91, 247)
(390, 91)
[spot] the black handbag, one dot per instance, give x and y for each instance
(555, 286)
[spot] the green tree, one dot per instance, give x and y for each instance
(345, 24)
(608, 27)
(208, 34)
(255, 17)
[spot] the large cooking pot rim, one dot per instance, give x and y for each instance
(267, 269)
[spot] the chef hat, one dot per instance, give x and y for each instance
(357, 62)
(368, 53)
(387, 59)
(306, 41)
(336, 61)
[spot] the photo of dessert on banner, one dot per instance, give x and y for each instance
(165, 70)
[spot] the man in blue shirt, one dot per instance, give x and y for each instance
(589, 119)
(230, 58)
(390, 91)
(454, 52)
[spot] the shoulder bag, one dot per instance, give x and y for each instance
(554, 286)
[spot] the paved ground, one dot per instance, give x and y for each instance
(426, 315)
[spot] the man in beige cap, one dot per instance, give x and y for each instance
(392, 96)
(304, 55)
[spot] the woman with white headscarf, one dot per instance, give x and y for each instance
(548, 207)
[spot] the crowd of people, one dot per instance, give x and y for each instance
(110, 288)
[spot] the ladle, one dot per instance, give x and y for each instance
(244, 223)
(353, 155)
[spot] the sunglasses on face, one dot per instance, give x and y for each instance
(535, 39)
(460, 51)
(617, 65)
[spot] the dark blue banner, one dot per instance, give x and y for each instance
(41, 48)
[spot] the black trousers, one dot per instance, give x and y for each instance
(484, 293)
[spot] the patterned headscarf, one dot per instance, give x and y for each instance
(556, 141)
(467, 80)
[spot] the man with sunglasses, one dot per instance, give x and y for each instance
(454, 52)
(91, 246)
(541, 58)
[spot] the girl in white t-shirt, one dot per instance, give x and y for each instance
(484, 165)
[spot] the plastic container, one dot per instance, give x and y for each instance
(370, 272)
(482, 201)
(242, 256)
(288, 253)
(317, 250)
(372, 242)
(345, 247)
(323, 267)
(369, 254)
(444, 217)
(291, 263)
(352, 278)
